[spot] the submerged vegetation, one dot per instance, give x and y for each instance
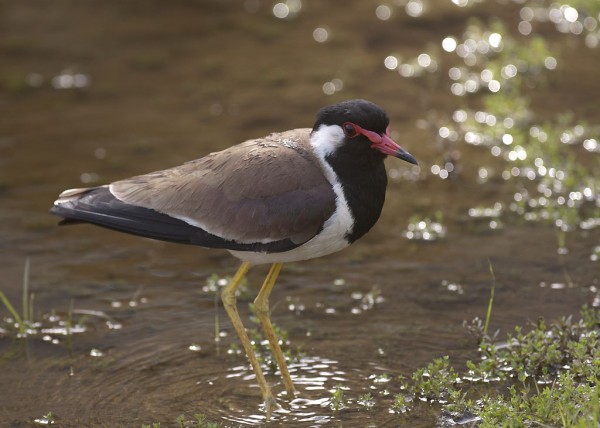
(52, 327)
(22, 322)
(547, 376)
(550, 158)
(540, 375)
(543, 374)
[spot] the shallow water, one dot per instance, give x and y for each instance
(164, 84)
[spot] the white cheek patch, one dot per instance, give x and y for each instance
(326, 140)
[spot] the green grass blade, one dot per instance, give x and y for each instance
(12, 311)
(30, 306)
(69, 322)
(489, 310)
(25, 295)
(217, 327)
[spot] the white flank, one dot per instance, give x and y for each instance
(332, 238)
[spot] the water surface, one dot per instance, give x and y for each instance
(94, 92)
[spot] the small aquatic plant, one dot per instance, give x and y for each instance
(51, 327)
(425, 229)
(366, 400)
(213, 285)
(337, 401)
(434, 382)
(493, 76)
(23, 323)
(47, 419)
(199, 420)
(551, 373)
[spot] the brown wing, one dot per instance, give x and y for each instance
(259, 191)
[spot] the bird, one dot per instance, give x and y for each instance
(286, 197)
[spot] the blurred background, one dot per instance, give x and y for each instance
(498, 100)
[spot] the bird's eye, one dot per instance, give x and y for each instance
(350, 130)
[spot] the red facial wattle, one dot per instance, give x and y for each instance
(381, 142)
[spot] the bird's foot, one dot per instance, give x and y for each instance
(291, 392)
(271, 406)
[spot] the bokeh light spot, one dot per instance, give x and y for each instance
(383, 12)
(390, 62)
(281, 10)
(449, 44)
(414, 8)
(320, 34)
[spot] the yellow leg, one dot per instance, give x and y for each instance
(229, 302)
(261, 306)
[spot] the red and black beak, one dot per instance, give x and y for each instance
(385, 144)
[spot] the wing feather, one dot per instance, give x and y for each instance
(260, 191)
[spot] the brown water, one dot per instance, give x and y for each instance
(165, 83)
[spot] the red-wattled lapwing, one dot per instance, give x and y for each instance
(286, 197)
